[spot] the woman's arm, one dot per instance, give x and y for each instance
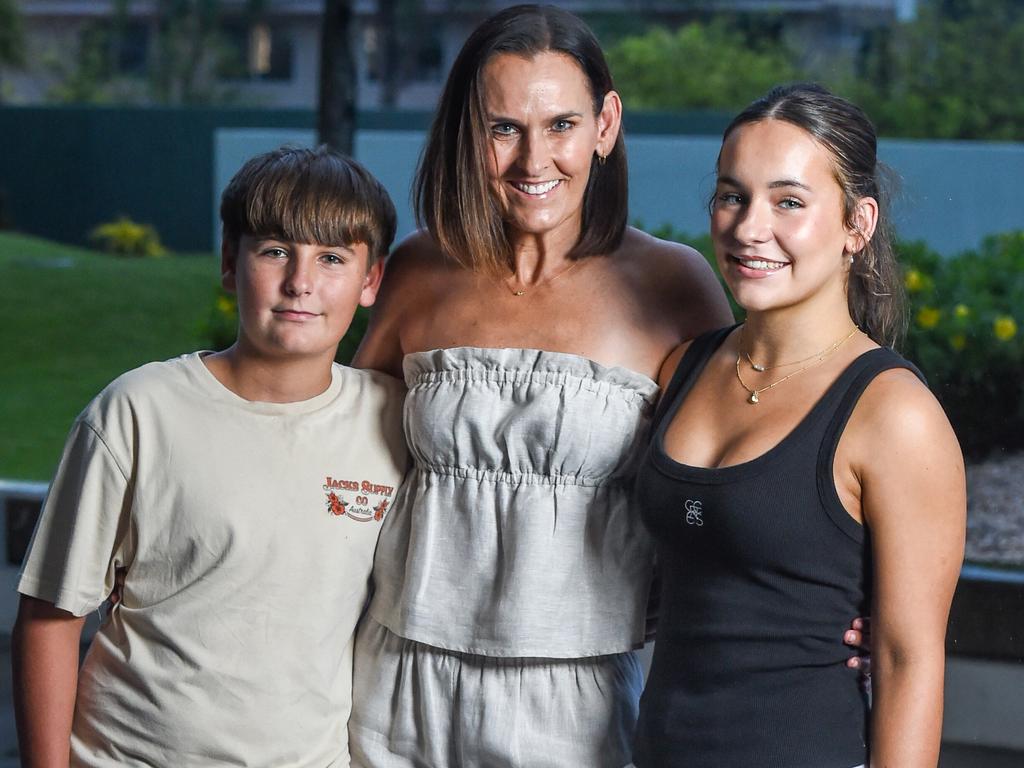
(913, 500)
(44, 660)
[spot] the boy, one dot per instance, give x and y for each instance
(241, 492)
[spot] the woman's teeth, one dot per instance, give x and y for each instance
(536, 189)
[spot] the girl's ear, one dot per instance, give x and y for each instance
(862, 225)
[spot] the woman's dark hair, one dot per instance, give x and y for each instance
(452, 192)
(875, 289)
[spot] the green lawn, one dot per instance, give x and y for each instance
(70, 321)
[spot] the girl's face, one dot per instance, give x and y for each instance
(777, 219)
(543, 136)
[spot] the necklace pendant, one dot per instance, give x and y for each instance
(757, 367)
(753, 399)
(518, 293)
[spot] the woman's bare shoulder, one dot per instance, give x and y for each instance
(677, 282)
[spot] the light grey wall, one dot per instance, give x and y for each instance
(951, 194)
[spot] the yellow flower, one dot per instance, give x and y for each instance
(928, 317)
(913, 280)
(958, 341)
(961, 311)
(1004, 327)
(225, 304)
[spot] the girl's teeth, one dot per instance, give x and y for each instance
(756, 264)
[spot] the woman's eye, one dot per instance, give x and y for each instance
(728, 198)
(561, 126)
(503, 130)
(790, 203)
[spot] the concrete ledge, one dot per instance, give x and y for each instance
(986, 620)
(984, 704)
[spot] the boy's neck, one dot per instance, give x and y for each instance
(270, 380)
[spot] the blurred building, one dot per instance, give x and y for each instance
(266, 53)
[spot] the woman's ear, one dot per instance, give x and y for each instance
(862, 225)
(609, 122)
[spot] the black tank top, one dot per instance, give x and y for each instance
(762, 570)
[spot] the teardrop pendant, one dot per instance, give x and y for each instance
(757, 367)
(753, 398)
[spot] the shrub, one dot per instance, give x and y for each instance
(128, 238)
(964, 333)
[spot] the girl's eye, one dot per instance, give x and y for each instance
(728, 198)
(790, 203)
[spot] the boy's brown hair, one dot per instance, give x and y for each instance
(308, 196)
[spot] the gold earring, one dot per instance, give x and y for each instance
(601, 158)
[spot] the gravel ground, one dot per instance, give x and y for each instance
(995, 511)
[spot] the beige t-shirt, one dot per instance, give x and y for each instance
(248, 532)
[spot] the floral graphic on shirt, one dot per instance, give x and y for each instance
(355, 500)
(335, 505)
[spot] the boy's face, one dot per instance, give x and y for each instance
(296, 300)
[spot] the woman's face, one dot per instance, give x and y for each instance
(543, 135)
(777, 219)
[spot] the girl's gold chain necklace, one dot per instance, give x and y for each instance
(817, 358)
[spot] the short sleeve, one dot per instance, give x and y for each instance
(80, 538)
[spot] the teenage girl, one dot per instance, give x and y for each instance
(800, 473)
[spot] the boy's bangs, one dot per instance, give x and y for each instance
(309, 208)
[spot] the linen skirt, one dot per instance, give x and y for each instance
(417, 706)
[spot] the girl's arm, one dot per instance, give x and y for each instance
(44, 660)
(913, 500)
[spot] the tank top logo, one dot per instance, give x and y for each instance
(694, 513)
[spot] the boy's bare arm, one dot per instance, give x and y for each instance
(44, 659)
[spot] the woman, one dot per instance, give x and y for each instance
(513, 575)
(800, 472)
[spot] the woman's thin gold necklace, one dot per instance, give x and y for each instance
(545, 281)
(817, 358)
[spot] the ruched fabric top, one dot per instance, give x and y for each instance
(514, 534)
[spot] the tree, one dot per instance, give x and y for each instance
(336, 112)
(701, 65)
(953, 72)
(12, 36)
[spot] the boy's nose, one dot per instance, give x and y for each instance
(299, 280)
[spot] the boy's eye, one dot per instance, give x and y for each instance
(275, 252)
(332, 258)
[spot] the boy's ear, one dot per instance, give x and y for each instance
(371, 283)
(228, 263)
